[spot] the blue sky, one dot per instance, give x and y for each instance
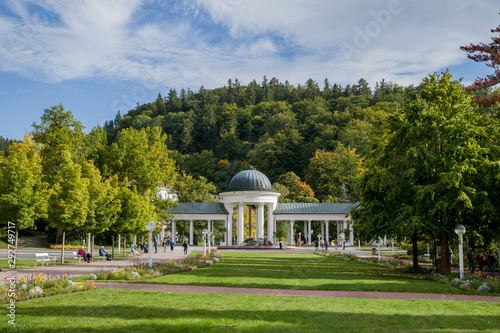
(97, 57)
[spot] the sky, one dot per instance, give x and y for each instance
(97, 57)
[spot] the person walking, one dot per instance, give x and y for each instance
(155, 243)
(185, 246)
(470, 260)
(164, 245)
(326, 245)
(480, 260)
(491, 262)
(172, 244)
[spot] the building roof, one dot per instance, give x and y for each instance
(198, 208)
(314, 208)
(250, 180)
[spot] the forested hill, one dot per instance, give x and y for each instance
(277, 127)
(4, 145)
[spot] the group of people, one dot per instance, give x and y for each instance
(481, 261)
(88, 257)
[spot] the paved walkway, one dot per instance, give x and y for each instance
(297, 293)
(83, 268)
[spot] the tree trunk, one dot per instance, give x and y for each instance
(92, 248)
(445, 253)
(113, 247)
(124, 245)
(62, 247)
(58, 232)
(415, 250)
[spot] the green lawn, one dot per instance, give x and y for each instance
(112, 310)
(301, 271)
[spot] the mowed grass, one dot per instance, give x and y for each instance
(302, 271)
(113, 310)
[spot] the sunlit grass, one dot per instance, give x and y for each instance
(113, 310)
(302, 271)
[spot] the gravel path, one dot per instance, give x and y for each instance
(297, 293)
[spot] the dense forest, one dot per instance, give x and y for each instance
(319, 134)
(4, 145)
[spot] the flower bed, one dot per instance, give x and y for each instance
(34, 286)
(170, 266)
(477, 282)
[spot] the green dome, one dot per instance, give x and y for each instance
(250, 180)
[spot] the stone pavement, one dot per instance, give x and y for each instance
(296, 293)
(83, 268)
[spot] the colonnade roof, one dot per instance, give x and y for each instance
(209, 208)
(291, 208)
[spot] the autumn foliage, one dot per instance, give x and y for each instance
(489, 53)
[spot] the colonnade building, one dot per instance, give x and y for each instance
(251, 189)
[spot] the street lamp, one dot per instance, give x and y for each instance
(342, 236)
(209, 242)
(460, 231)
(319, 241)
(204, 232)
(150, 225)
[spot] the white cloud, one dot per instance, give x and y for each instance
(400, 41)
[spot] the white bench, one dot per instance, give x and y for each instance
(77, 257)
(100, 258)
(425, 256)
(43, 257)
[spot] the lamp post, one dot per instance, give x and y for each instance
(460, 231)
(319, 241)
(342, 236)
(209, 242)
(150, 226)
(204, 232)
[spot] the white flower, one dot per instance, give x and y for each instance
(93, 277)
(135, 273)
(36, 291)
(24, 286)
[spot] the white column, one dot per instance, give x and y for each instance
(174, 232)
(270, 230)
(322, 223)
(229, 223)
(241, 221)
(288, 232)
(351, 234)
(338, 232)
(260, 221)
(309, 232)
(209, 225)
(292, 233)
(327, 233)
(305, 230)
(191, 238)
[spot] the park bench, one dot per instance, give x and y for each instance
(425, 256)
(101, 258)
(43, 257)
(77, 257)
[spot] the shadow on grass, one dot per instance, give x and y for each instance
(161, 318)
